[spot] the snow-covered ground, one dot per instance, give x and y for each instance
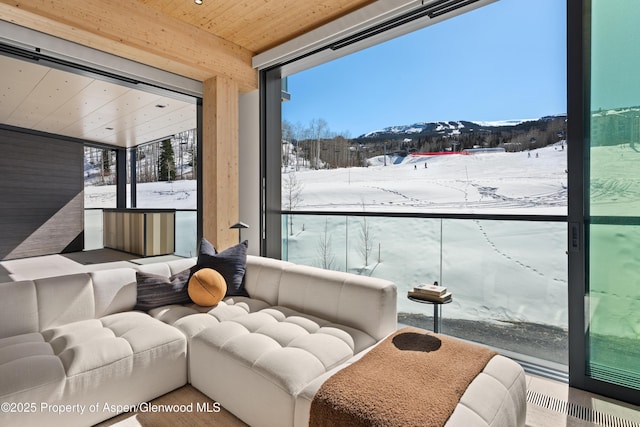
(171, 195)
(533, 182)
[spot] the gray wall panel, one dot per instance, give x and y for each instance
(41, 195)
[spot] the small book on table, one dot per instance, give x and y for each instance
(428, 289)
(429, 292)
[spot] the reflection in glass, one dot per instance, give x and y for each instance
(613, 292)
(93, 229)
(614, 304)
(186, 233)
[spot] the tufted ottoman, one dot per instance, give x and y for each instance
(274, 352)
(86, 369)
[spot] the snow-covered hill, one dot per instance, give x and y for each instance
(531, 182)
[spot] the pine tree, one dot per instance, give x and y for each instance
(166, 162)
(106, 165)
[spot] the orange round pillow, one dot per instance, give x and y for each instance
(207, 287)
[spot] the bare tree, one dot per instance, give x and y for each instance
(186, 147)
(366, 240)
(105, 169)
(292, 194)
(327, 258)
(319, 129)
(298, 132)
(287, 138)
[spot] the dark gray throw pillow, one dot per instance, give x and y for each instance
(155, 290)
(230, 263)
(207, 248)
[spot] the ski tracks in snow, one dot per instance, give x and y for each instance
(489, 198)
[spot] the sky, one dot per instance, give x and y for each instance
(504, 61)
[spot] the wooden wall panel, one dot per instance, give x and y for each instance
(41, 195)
(160, 238)
(220, 196)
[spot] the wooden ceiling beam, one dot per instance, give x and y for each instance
(134, 31)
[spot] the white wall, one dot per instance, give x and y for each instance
(249, 168)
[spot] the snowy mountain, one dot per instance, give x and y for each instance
(423, 128)
(450, 128)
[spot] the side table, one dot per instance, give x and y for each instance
(436, 310)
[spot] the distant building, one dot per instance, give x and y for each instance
(484, 150)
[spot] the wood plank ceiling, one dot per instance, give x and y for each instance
(215, 38)
(256, 25)
(33, 96)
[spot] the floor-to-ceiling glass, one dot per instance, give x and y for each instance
(418, 163)
(613, 195)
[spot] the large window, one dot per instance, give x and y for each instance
(441, 156)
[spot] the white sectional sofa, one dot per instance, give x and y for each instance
(75, 340)
(254, 355)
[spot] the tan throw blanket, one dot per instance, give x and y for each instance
(412, 378)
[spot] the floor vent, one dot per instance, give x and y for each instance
(578, 411)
